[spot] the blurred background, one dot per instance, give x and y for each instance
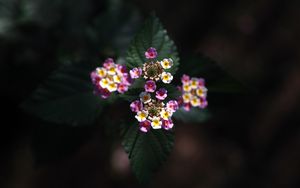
(252, 139)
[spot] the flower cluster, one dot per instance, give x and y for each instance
(153, 69)
(109, 78)
(194, 93)
(150, 109)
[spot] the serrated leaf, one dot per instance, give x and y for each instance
(152, 34)
(195, 115)
(66, 97)
(147, 151)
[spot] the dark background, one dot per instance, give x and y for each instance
(252, 140)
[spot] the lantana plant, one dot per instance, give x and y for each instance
(77, 94)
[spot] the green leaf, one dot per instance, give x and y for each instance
(66, 97)
(152, 34)
(195, 115)
(146, 151)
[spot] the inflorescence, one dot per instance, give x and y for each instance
(194, 93)
(151, 109)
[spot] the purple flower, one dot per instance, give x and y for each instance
(172, 106)
(167, 124)
(145, 126)
(135, 73)
(136, 106)
(161, 94)
(185, 79)
(151, 53)
(203, 103)
(108, 63)
(122, 87)
(187, 106)
(150, 86)
(121, 69)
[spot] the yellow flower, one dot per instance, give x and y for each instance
(166, 77)
(201, 92)
(141, 116)
(104, 83)
(195, 101)
(165, 114)
(112, 71)
(186, 97)
(117, 78)
(194, 83)
(186, 87)
(166, 63)
(112, 87)
(101, 72)
(156, 123)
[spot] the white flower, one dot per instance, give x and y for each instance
(166, 77)
(156, 123)
(166, 63)
(141, 116)
(145, 97)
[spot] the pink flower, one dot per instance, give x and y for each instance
(150, 86)
(108, 63)
(121, 69)
(172, 106)
(136, 106)
(145, 126)
(95, 78)
(203, 103)
(126, 79)
(167, 124)
(151, 53)
(187, 106)
(135, 73)
(201, 82)
(161, 94)
(122, 88)
(185, 79)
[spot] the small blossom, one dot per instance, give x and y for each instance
(195, 101)
(112, 87)
(186, 97)
(145, 97)
(156, 123)
(187, 106)
(185, 79)
(108, 63)
(167, 63)
(122, 88)
(172, 106)
(136, 106)
(141, 116)
(186, 87)
(203, 103)
(121, 69)
(117, 78)
(101, 72)
(194, 83)
(135, 73)
(167, 124)
(201, 92)
(166, 77)
(104, 83)
(150, 86)
(112, 71)
(151, 53)
(164, 114)
(145, 126)
(161, 94)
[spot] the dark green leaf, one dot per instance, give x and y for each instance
(152, 34)
(147, 151)
(66, 97)
(195, 115)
